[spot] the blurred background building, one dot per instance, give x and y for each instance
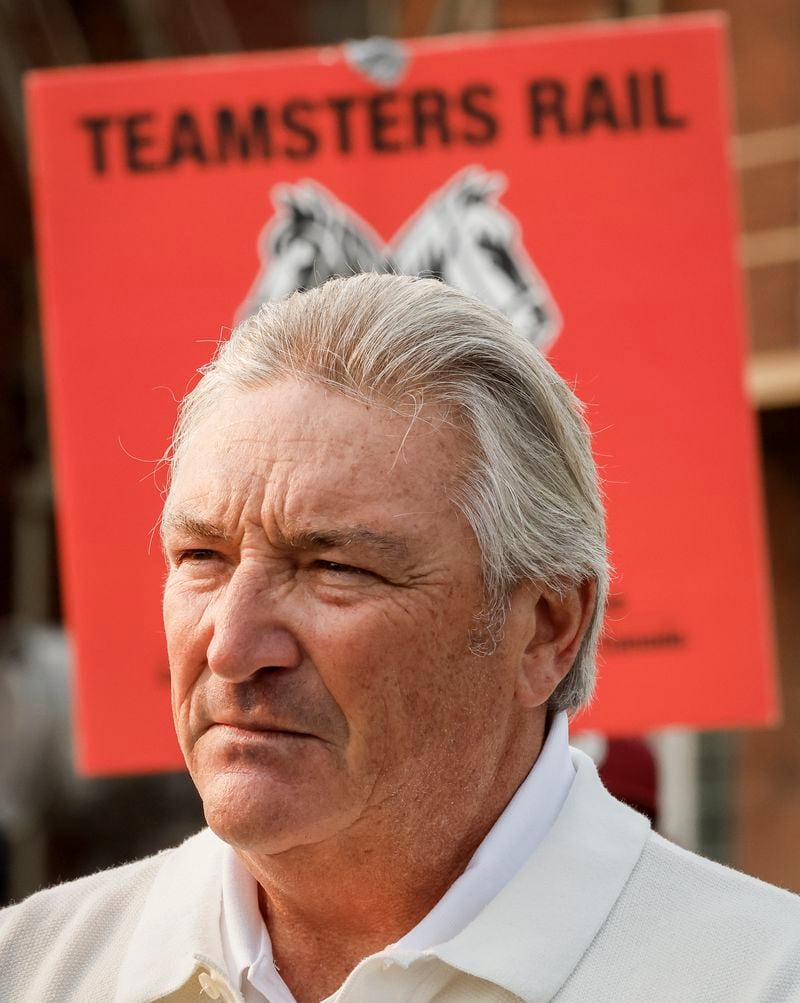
(735, 797)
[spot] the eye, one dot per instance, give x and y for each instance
(197, 556)
(335, 567)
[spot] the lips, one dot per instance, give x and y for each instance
(266, 729)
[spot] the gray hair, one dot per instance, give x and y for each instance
(531, 495)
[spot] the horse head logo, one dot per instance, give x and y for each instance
(311, 237)
(461, 234)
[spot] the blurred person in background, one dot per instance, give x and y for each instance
(386, 579)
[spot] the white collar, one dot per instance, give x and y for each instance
(245, 941)
(549, 914)
(514, 837)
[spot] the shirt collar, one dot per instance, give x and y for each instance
(244, 935)
(504, 850)
(527, 940)
(515, 835)
(245, 942)
(532, 935)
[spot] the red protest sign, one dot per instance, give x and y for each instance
(577, 178)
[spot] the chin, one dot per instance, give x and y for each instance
(259, 816)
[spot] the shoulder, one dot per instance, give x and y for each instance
(705, 925)
(733, 900)
(84, 894)
(90, 895)
(661, 924)
(84, 924)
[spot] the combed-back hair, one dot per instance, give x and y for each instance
(531, 492)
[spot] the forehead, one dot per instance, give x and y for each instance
(307, 451)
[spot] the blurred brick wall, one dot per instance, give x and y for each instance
(765, 41)
(767, 780)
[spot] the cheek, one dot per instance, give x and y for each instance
(187, 641)
(392, 674)
(345, 648)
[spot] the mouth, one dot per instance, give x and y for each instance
(249, 733)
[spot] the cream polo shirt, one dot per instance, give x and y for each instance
(604, 909)
(523, 824)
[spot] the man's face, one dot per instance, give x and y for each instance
(318, 607)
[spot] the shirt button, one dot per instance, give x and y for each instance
(207, 985)
(214, 987)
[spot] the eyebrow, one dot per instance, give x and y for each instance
(192, 526)
(346, 537)
(337, 538)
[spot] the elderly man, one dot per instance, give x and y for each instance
(386, 574)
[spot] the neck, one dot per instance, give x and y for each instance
(331, 904)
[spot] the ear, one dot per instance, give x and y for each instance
(557, 624)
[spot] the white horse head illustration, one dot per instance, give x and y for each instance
(461, 235)
(312, 237)
(465, 237)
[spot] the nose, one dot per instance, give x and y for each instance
(249, 632)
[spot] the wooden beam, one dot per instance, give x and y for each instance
(773, 378)
(777, 246)
(769, 146)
